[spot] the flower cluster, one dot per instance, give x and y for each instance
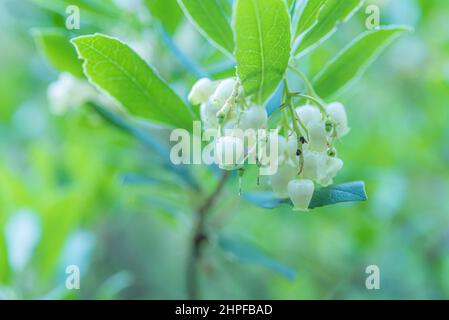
(312, 158)
(305, 143)
(223, 108)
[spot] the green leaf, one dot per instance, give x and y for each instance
(354, 59)
(55, 45)
(331, 15)
(262, 45)
(150, 137)
(167, 12)
(309, 16)
(211, 20)
(345, 192)
(114, 67)
(244, 252)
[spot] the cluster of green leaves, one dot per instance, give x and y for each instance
(410, 86)
(262, 37)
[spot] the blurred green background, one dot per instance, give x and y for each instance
(74, 189)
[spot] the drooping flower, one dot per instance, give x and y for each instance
(229, 152)
(255, 117)
(300, 192)
(280, 180)
(308, 114)
(223, 92)
(337, 114)
(329, 170)
(208, 113)
(201, 91)
(313, 164)
(317, 136)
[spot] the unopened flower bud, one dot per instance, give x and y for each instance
(332, 152)
(300, 192)
(329, 126)
(221, 115)
(223, 112)
(201, 91)
(338, 115)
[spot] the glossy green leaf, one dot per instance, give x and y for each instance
(116, 68)
(353, 60)
(211, 20)
(330, 16)
(55, 45)
(309, 16)
(345, 192)
(159, 9)
(244, 252)
(262, 45)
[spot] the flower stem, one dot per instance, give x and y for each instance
(307, 83)
(317, 101)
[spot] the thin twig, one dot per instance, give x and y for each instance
(200, 236)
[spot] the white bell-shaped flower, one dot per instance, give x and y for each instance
(229, 152)
(208, 114)
(201, 91)
(69, 92)
(313, 164)
(223, 92)
(308, 114)
(255, 117)
(337, 113)
(317, 136)
(279, 181)
(330, 169)
(300, 192)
